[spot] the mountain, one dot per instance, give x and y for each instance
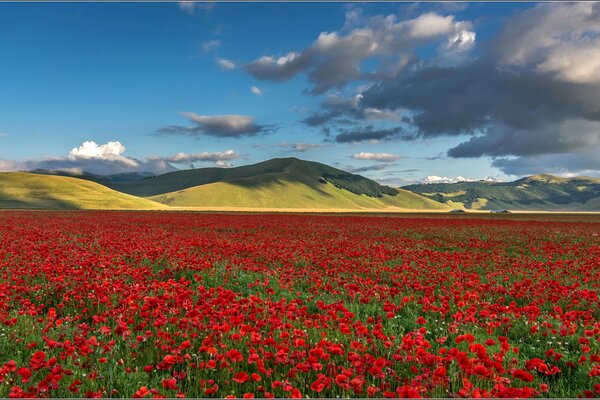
(277, 183)
(121, 177)
(37, 191)
(284, 183)
(534, 193)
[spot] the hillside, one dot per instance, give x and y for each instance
(276, 183)
(534, 193)
(35, 191)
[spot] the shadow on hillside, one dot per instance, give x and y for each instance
(269, 180)
(36, 204)
(256, 176)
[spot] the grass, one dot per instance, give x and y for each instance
(33, 191)
(296, 186)
(534, 193)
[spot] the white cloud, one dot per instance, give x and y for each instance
(223, 164)
(562, 39)
(462, 41)
(380, 157)
(101, 159)
(211, 45)
(430, 25)
(444, 179)
(335, 58)
(8, 166)
(216, 157)
(2, 134)
(225, 64)
(190, 6)
(256, 90)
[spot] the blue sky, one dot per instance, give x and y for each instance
(169, 78)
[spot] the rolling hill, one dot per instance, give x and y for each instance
(35, 191)
(278, 183)
(284, 183)
(533, 193)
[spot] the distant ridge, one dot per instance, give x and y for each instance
(541, 192)
(288, 184)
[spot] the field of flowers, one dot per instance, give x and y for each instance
(134, 304)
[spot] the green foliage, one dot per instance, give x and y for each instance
(359, 185)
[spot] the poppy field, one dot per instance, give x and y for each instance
(160, 304)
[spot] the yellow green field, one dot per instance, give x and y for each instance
(33, 191)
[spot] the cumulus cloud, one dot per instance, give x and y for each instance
(225, 65)
(100, 159)
(256, 90)
(560, 39)
(279, 68)
(218, 126)
(380, 157)
(335, 58)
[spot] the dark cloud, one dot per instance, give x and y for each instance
(466, 99)
(218, 126)
(371, 134)
(585, 163)
(374, 167)
(560, 137)
(346, 111)
(533, 94)
(320, 118)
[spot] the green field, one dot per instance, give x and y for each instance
(34, 191)
(284, 183)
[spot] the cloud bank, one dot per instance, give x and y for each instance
(110, 158)
(527, 98)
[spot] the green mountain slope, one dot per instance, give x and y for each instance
(534, 193)
(277, 183)
(36, 191)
